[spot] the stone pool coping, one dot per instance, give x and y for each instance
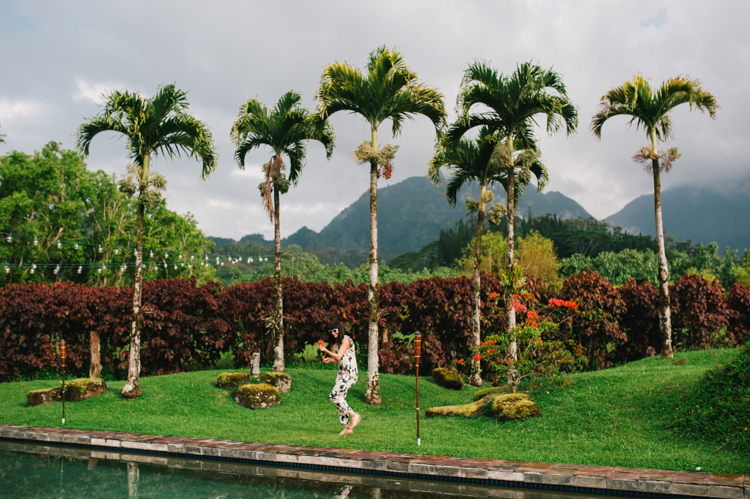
(600, 480)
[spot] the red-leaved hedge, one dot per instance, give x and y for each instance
(188, 326)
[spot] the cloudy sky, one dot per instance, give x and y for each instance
(58, 58)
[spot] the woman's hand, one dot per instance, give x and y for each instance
(328, 360)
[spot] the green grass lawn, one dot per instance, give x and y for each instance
(614, 417)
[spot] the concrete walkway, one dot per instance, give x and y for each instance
(468, 477)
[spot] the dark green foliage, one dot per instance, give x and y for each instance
(440, 253)
(718, 409)
(587, 237)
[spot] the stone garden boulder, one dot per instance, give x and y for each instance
(448, 377)
(260, 396)
(43, 396)
(227, 380)
(282, 382)
(84, 388)
(75, 391)
(514, 406)
(476, 408)
(494, 392)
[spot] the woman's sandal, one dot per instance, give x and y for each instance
(355, 420)
(346, 430)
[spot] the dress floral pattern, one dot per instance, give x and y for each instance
(345, 379)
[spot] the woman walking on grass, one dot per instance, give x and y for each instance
(347, 375)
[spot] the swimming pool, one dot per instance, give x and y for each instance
(43, 471)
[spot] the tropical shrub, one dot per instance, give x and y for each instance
(540, 351)
(738, 300)
(597, 326)
(700, 315)
(641, 321)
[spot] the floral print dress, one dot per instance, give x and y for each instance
(345, 379)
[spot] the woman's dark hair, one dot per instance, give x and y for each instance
(337, 325)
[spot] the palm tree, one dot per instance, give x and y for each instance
(652, 110)
(152, 126)
(284, 129)
(513, 101)
(387, 90)
(481, 160)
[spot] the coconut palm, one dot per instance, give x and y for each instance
(160, 125)
(386, 90)
(284, 129)
(651, 109)
(484, 160)
(513, 103)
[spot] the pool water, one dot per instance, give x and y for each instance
(35, 471)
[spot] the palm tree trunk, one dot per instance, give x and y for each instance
(476, 369)
(372, 395)
(278, 351)
(132, 388)
(665, 312)
(513, 346)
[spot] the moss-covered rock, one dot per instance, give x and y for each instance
(227, 380)
(514, 406)
(43, 396)
(494, 391)
(84, 388)
(448, 377)
(282, 382)
(260, 396)
(476, 408)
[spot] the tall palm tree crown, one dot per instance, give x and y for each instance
(386, 90)
(284, 129)
(512, 104)
(160, 125)
(650, 109)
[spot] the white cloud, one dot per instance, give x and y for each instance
(90, 49)
(94, 92)
(19, 110)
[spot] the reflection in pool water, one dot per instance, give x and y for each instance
(36, 471)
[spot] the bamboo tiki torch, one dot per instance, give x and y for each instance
(417, 353)
(62, 358)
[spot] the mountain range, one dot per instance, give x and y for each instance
(412, 212)
(702, 214)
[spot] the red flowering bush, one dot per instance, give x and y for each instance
(534, 355)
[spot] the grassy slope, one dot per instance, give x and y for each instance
(616, 417)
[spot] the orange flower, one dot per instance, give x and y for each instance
(321, 344)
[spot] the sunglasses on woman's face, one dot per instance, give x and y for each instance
(331, 331)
